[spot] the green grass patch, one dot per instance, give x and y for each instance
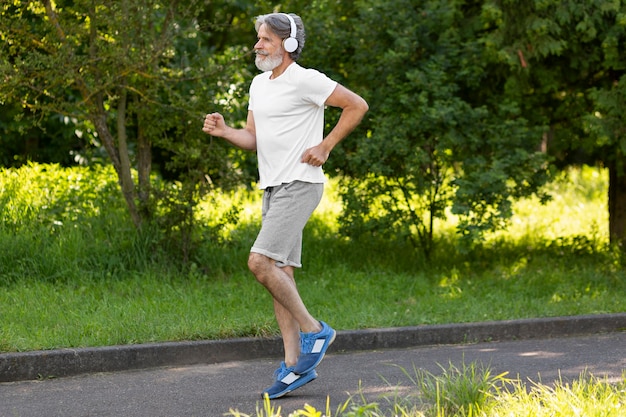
(74, 272)
(473, 390)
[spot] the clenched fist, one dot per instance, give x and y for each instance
(214, 124)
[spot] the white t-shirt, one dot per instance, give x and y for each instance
(289, 118)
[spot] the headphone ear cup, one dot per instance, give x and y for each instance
(290, 44)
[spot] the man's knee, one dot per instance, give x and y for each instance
(259, 265)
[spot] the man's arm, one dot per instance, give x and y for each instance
(242, 138)
(353, 109)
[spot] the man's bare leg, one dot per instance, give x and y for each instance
(289, 327)
(292, 316)
(283, 289)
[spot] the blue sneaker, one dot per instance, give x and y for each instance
(313, 347)
(287, 380)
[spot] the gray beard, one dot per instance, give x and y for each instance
(269, 62)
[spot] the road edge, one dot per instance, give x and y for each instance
(21, 366)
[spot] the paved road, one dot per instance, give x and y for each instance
(211, 390)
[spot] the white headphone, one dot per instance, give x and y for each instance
(291, 43)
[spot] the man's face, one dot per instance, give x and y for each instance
(269, 50)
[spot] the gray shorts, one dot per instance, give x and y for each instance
(286, 210)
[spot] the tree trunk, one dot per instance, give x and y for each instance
(617, 205)
(144, 166)
(126, 179)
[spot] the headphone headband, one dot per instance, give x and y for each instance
(291, 43)
(293, 25)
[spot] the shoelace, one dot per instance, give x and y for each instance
(281, 372)
(307, 340)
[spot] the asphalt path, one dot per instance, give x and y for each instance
(215, 389)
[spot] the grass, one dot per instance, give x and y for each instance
(587, 396)
(74, 273)
(472, 390)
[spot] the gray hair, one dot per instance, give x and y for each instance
(279, 24)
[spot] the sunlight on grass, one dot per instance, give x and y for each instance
(472, 390)
(586, 396)
(579, 206)
(73, 278)
(73, 273)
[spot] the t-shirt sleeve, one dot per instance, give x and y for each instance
(317, 87)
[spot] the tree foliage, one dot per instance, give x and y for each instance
(135, 77)
(571, 81)
(441, 131)
(471, 101)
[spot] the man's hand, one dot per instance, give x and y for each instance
(214, 125)
(316, 155)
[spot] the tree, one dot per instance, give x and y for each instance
(568, 72)
(134, 74)
(441, 131)
(464, 96)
